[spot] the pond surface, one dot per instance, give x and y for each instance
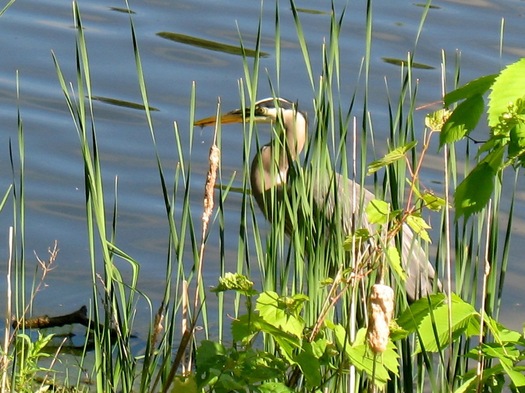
(32, 29)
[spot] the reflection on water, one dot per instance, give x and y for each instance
(54, 173)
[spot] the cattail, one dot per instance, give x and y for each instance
(210, 185)
(380, 312)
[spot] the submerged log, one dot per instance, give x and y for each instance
(45, 321)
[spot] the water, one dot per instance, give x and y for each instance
(31, 30)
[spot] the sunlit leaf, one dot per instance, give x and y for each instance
(391, 157)
(186, 384)
(412, 317)
(287, 342)
(432, 201)
(419, 226)
(282, 312)
(502, 333)
(517, 376)
(377, 211)
(476, 87)
(394, 261)
(235, 282)
(435, 328)
(355, 241)
(507, 88)
(274, 387)
(362, 357)
(435, 120)
(463, 120)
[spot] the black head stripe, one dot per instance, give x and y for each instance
(273, 102)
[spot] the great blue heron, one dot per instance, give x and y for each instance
(269, 171)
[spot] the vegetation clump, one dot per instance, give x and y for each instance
(309, 312)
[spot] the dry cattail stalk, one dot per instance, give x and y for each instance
(157, 326)
(380, 312)
(214, 159)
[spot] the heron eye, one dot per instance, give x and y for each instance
(260, 111)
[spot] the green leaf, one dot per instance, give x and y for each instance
(391, 157)
(357, 239)
(364, 360)
(394, 261)
(474, 192)
(517, 377)
(243, 328)
(412, 317)
(476, 87)
(235, 282)
(517, 140)
(185, 384)
(274, 387)
(419, 226)
(377, 211)
(502, 333)
(434, 328)
(287, 342)
(282, 312)
(435, 120)
(508, 87)
(463, 120)
(432, 201)
(309, 364)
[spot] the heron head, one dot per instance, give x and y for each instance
(267, 110)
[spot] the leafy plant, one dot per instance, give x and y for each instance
(506, 143)
(28, 354)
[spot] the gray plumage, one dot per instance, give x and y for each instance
(269, 174)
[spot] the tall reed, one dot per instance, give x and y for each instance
(311, 267)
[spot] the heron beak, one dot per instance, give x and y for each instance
(235, 116)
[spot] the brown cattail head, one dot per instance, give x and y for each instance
(380, 312)
(210, 184)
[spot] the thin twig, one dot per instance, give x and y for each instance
(486, 272)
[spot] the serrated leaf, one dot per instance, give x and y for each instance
(463, 120)
(435, 120)
(476, 87)
(507, 88)
(412, 317)
(419, 226)
(432, 201)
(391, 157)
(394, 261)
(434, 330)
(377, 211)
(282, 312)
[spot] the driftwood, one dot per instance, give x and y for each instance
(44, 321)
